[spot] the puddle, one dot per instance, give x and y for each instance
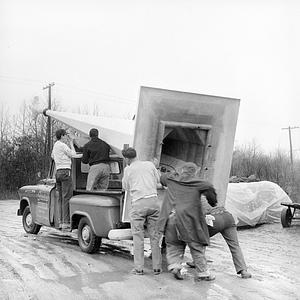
(91, 280)
(28, 266)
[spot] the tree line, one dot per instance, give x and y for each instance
(24, 158)
(248, 160)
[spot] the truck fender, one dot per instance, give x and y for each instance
(77, 215)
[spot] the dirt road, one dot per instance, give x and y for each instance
(52, 266)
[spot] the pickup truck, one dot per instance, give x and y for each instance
(172, 126)
(93, 213)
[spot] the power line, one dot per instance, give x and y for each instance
(118, 98)
(66, 86)
(20, 79)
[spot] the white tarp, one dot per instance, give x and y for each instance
(114, 131)
(255, 202)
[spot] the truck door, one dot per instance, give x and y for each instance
(45, 192)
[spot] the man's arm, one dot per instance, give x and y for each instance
(85, 155)
(211, 196)
(125, 183)
(69, 151)
(156, 174)
(77, 155)
(157, 177)
(163, 178)
(74, 154)
(78, 149)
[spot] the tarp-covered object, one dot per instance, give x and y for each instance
(255, 202)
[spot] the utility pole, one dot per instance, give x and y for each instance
(49, 127)
(291, 146)
(293, 188)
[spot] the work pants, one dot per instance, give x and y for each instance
(145, 212)
(65, 190)
(230, 236)
(176, 249)
(98, 177)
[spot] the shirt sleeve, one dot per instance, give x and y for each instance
(125, 183)
(85, 156)
(163, 179)
(211, 196)
(156, 174)
(78, 149)
(68, 151)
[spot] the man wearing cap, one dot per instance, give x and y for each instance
(96, 154)
(182, 220)
(140, 180)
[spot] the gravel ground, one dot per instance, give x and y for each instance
(50, 265)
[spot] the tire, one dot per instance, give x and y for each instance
(87, 239)
(286, 217)
(28, 224)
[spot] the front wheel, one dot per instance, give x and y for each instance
(286, 217)
(28, 224)
(87, 239)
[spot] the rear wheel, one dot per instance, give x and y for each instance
(286, 217)
(28, 224)
(87, 239)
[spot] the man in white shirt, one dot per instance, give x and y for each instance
(62, 155)
(141, 179)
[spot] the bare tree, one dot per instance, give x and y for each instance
(251, 160)
(4, 124)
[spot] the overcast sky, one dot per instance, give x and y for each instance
(101, 52)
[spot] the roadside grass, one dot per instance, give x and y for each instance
(8, 195)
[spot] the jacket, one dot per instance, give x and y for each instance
(95, 152)
(184, 197)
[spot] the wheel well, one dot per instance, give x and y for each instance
(76, 220)
(23, 204)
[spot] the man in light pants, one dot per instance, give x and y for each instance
(96, 154)
(140, 180)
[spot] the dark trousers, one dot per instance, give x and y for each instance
(65, 189)
(176, 249)
(224, 224)
(230, 236)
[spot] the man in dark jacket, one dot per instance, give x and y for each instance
(182, 220)
(96, 154)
